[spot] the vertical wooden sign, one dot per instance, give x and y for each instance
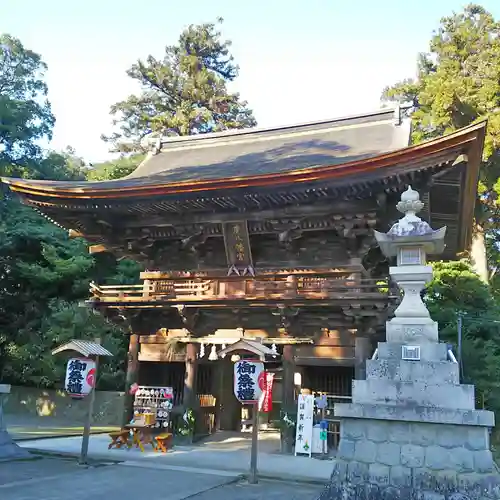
(237, 242)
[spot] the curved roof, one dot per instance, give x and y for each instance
(446, 167)
(254, 152)
(242, 153)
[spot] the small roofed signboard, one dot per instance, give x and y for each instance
(249, 380)
(80, 377)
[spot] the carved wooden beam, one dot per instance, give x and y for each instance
(93, 249)
(286, 315)
(72, 233)
(189, 316)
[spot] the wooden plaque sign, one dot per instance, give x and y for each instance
(237, 244)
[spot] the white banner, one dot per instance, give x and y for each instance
(248, 380)
(304, 429)
(80, 377)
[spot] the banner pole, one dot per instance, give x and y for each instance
(255, 439)
(88, 422)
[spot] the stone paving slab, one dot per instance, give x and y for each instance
(63, 480)
(268, 490)
(19, 471)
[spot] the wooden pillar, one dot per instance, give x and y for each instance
(228, 407)
(288, 376)
(362, 351)
(189, 397)
(131, 377)
(288, 388)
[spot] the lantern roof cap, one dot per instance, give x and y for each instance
(84, 347)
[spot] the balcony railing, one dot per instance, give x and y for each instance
(159, 287)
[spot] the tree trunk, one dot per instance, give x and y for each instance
(189, 399)
(131, 377)
(478, 253)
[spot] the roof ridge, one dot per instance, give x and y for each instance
(157, 143)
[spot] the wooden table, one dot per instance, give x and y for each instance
(141, 435)
(118, 438)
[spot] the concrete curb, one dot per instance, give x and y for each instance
(288, 478)
(57, 436)
(73, 456)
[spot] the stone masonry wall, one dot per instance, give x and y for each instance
(380, 459)
(32, 406)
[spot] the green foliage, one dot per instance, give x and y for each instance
(115, 169)
(44, 276)
(25, 112)
(458, 83)
(186, 427)
(184, 93)
(43, 283)
(456, 288)
(61, 166)
(458, 79)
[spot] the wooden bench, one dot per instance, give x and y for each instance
(119, 438)
(163, 442)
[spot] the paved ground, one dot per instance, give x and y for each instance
(233, 457)
(268, 490)
(55, 479)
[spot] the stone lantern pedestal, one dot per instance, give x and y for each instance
(9, 450)
(412, 430)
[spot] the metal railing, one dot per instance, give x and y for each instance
(333, 431)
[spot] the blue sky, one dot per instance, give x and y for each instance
(300, 60)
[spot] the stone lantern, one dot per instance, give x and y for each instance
(410, 240)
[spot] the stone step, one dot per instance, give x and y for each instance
(425, 414)
(413, 394)
(429, 351)
(413, 371)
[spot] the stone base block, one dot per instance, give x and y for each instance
(410, 371)
(429, 351)
(417, 414)
(407, 394)
(9, 450)
(412, 331)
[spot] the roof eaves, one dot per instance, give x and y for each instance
(116, 189)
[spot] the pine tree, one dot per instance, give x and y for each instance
(183, 93)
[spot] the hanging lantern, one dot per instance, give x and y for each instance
(213, 354)
(223, 347)
(202, 350)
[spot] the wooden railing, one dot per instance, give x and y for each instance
(305, 285)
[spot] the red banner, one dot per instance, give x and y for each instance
(266, 398)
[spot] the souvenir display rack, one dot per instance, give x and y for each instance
(155, 400)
